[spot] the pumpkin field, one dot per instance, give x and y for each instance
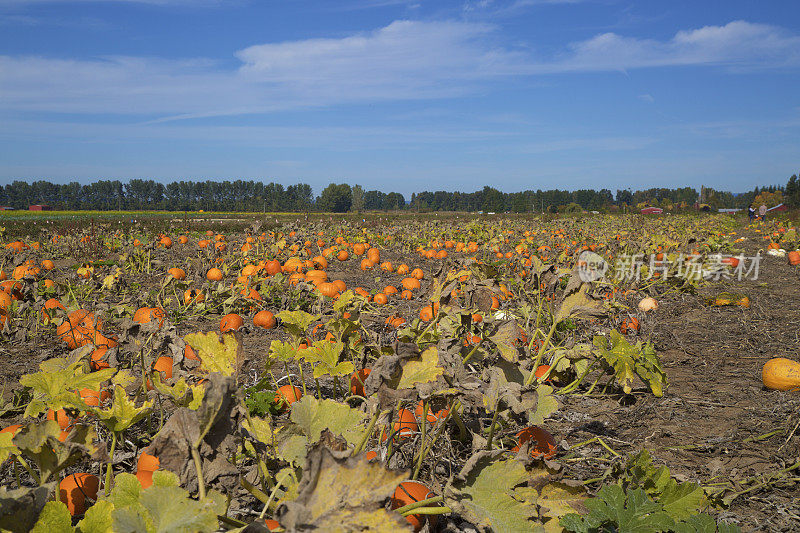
(455, 373)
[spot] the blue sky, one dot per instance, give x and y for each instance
(403, 95)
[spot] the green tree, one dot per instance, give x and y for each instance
(335, 198)
(357, 198)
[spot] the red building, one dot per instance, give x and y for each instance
(40, 207)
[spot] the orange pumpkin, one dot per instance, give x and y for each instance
(410, 492)
(287, 395)
(75, 489)
(230, 322)
(403, 427)
(544, 443)
(265, 319)
(357, 381)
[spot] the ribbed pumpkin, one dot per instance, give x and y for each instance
(781, 374)
(794, 258)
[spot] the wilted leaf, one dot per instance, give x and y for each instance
(20, 508)
(579, 304)
(39, 442)
(506, 337)
(343, 495)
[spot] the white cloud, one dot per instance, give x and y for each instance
(738, 43)
(404, 60)
(647, 98)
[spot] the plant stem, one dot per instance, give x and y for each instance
(198, 466)
(494, 423)
(109, 468)
(539, 355)
(367, 432)
(422, 503)
(429, 511)
(425, 405)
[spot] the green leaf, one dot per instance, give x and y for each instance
(297, 322)
(165, 478)
(633, 512)
(422, 369)
(324, 355)
(259, 428)
(630, 361)
(55, 385)
(97, 518)
(683, 500)
(546, 405)
(7, 448)
(126, 490)
(162, 507)
(183, 394)
(283, 351)
(216, 354)
(123, 412)
(123, 378)
(343, 300)
(54, 517)
(486, 495)
(313, 416)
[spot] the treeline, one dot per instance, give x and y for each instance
(256, 196)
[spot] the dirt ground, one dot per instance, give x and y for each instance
(715, 422)
(711, 423)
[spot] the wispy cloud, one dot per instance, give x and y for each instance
(402, 61)
(153, 2)
(647, 98)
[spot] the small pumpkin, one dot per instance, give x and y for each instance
(287, 395)
(781, 374)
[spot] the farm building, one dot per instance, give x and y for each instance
(40, 207)
(652, 211)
